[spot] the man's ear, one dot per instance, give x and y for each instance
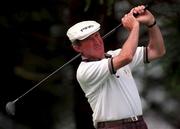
(76, 48)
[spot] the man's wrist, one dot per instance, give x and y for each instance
(153, 24)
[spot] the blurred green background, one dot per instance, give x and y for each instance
(34, 44)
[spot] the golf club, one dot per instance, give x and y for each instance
(10, 106)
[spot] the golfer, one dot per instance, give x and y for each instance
(106, 78)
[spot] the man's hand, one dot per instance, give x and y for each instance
(129, 21)
(145, 16)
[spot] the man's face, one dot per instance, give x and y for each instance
(92, 47)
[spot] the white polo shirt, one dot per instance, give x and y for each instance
(111, 96)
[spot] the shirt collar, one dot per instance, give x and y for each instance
(89, 60)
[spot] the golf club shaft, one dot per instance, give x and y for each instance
(47, 77)
(78, 55)
(110, 32)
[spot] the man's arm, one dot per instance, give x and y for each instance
(129, 48)
(155, 48)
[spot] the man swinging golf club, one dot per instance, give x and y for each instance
(107, 81)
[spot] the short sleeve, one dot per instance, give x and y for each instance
(91, 75)
(138, 58)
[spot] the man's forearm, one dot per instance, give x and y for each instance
(156, 46)
(128, 49)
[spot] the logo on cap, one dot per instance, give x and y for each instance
(90, 26)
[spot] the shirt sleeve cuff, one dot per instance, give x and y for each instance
(145, 59)
(110, 66)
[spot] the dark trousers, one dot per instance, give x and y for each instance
(123, 124)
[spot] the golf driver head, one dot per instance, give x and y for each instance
(10, 108)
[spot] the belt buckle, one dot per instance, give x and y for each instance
(135, 118)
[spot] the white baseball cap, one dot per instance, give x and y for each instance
(82, 30)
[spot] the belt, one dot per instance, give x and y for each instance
(117, 122)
